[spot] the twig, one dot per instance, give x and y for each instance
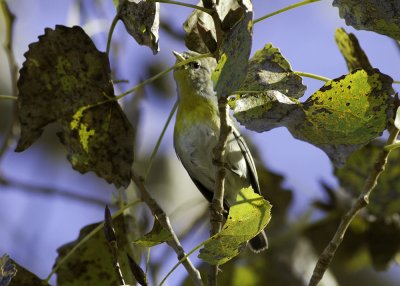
(361, 202)
(9, 20)
(47, 190)
(217, 206)
(164, 220)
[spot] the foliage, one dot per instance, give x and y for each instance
(66, 80)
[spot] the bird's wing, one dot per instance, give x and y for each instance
(252, 172)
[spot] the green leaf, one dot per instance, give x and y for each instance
(351, 50)
(269, 70)
(13, 274)
(247, 218)
(7, 270)
(385, 199)
(383, 241)
(63, 79)
(346, 113)
(193, 39)
(200, 29)
(381, 16)
(266, 110)
(142, 21)
(234, 54)
(156, 236)
(92, 264)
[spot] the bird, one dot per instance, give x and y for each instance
(196, 134)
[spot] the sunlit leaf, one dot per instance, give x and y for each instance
(234, 54)
(247, 218)
(385, 199)
(381, 16)
(346, 112)
(269, 70)
(157, 235)
(63, 76)
(92, 264)
(351, 50)
(141, 20)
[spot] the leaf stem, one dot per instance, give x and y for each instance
(174, 243)
(10, 97)
(155, 150)
(314, 76)
(86, 238)
(396, 81)
(326, 256)
(205, 10)
(110, 33)
(302, 3)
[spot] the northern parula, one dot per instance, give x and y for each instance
(196, 134)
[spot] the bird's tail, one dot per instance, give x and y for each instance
(259, 243)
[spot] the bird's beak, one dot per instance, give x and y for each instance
(178, 56)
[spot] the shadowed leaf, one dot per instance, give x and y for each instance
(234, 54)
(63, 76)
(381, 16)
(13, 274)
(269, 70)
(141, 20)
(385, 200)
(351, 50)
(92, 264)
(157, 235)
(137, 271)
(247, 218)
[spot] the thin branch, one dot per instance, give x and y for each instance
(164, 220)
(285, 9)
(11, 130)
(205, 10)
(361, 202)
(155, 150)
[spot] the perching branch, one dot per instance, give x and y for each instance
(361, 202)
(217, 206)
(164, 220)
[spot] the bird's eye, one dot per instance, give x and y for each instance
(194, 65)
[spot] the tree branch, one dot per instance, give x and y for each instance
(164, 220)
(217, 205)
(361, 202)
